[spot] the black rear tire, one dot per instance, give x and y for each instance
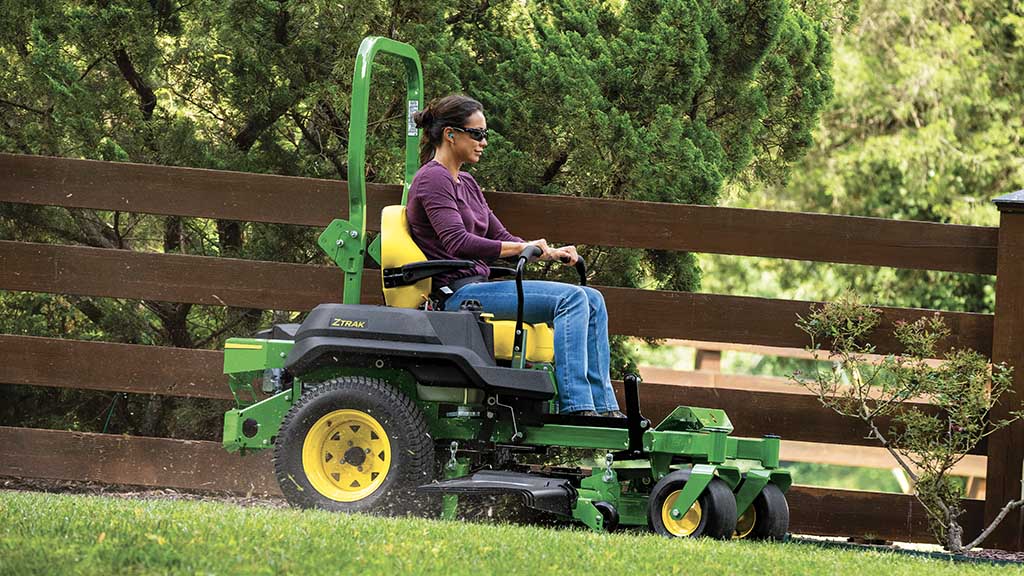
(328, 478)
(715, 508)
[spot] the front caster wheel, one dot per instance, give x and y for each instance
(712, 515)
(767, 518)
(609, 515)
(353, 445)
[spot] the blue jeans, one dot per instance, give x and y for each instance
(580, 322)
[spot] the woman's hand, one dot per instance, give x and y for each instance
(566, 255)
(544, 248)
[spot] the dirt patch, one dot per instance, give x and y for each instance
(910, 549)
(135, 492)
(996, 555)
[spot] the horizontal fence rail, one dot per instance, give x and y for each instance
(169, 371)
(198, 465)
(314, 202)
(206, 280)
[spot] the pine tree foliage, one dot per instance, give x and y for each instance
(925, 125)
(661, 100)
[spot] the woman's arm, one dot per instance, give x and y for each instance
(445, 218)
(566, 254)
(510, 249)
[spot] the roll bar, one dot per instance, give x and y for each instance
(345, 240)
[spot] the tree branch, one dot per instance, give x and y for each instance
(147, 98)
(1010, 506)
(219, 117)
(94, 232)
(90, 67)
(462, 15)
(23, 107)
(260, 121)
(226, 328)
(315, 141)
(888, 446)
(552, 169)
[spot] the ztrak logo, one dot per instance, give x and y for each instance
(343, 323)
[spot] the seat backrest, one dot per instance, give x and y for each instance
(397, 248)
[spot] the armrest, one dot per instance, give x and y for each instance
(415, 271)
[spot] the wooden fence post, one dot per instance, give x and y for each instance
(1006, 447)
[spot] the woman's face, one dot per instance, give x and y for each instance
(464, 145)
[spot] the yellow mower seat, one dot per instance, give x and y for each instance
(397, 248)
(540, 341)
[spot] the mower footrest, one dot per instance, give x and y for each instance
(554, 495)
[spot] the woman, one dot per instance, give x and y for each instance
(449, 219)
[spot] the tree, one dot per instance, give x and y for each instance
(926, 444)
(661, 100)
(924, 126)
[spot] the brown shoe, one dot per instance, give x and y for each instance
(613, 414)
(582, 413)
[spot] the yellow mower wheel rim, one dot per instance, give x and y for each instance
(745, 523)
(686, 524)
(346, 455)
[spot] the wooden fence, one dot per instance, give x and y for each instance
(78, 270)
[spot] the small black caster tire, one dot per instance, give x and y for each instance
(609, 515)
(354, 444)
(767, 518)
(713, 514)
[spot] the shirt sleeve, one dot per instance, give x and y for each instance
(438, 200)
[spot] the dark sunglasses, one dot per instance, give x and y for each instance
(478, 134)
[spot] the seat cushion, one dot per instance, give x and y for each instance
(397, 248)
(540, 341)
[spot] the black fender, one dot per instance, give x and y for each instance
(437, 348)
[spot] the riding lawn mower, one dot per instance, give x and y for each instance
(381, 408)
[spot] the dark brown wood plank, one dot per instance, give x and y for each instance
(314, 202)
(792, 416)
(113, 367)
(1006, 447)
(746, 232)
(167, 277)
(764, 321)
(170, 190)
(896, 517)
(136, 460)
(274, 285)
(196, 465)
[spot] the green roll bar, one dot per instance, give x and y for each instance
(345, 240)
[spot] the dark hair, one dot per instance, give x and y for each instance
(452, 110)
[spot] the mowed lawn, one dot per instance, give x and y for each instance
(70, 534)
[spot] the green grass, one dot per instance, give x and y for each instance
(65, 534)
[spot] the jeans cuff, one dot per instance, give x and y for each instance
(564, 409)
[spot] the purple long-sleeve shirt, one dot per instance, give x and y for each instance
(451, 220)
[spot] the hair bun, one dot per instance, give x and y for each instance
(424, 118)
